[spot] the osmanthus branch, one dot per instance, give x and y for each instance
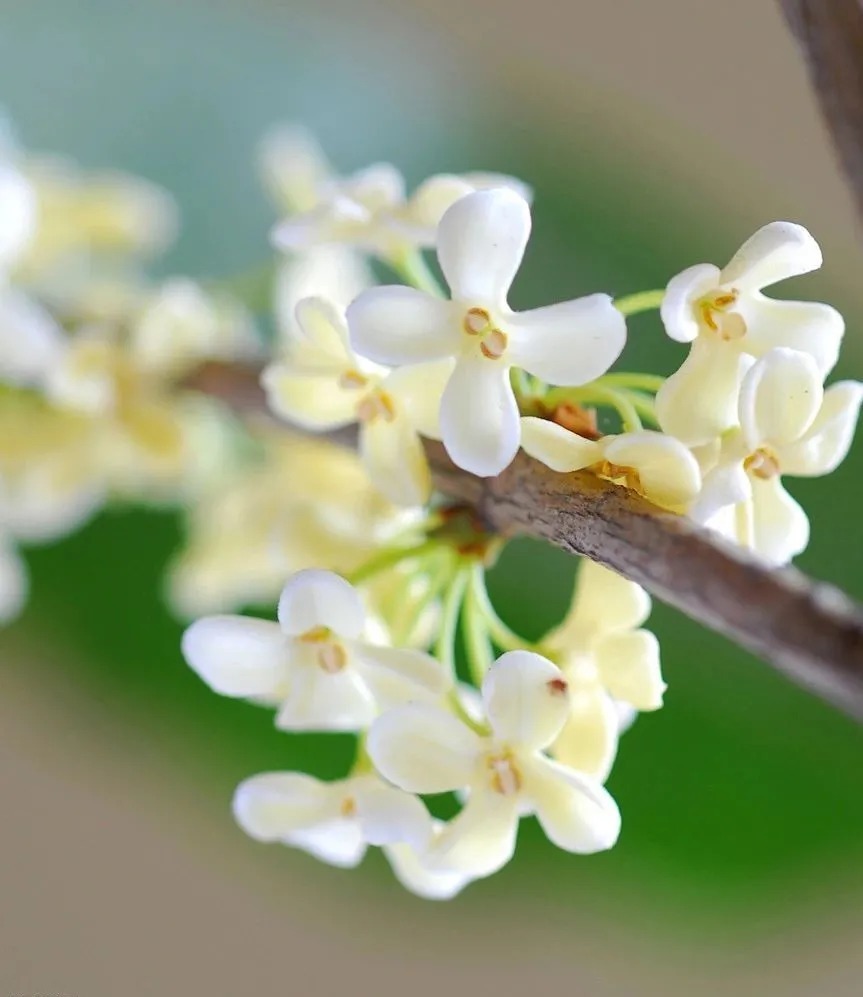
(810, 631)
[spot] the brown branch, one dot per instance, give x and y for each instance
(810, 631)
(830, 35)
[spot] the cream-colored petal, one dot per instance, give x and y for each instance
(315, 598)
(588, 742)
(272, 805)
(393, 455)
(479, 417)
(779, 398)
(726, 485)
(390, 816)
(411, 869)
(775, 252)
(398, 675)
(678, 310)
(668, 472)
(557, 447)
(807, 326)
(603, 602)
(575, 812)
(326, 701)
(238, 655)
(628, 665)
(423, 749)
(322, 336)
(338, 842)
(19, 212)
(419, 389)
(308, 399)
(32, 345)
(292, 166)
(569, 343)
(780, 527)
(481, 242)
(481, 839)
(827, 441)
(399, 325)
(699, 401)
(526, 699)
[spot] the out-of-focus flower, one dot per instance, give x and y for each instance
(14, 583)
(323, 385)
(656, 465)
(314, 662)
(726, 317)
(607, 660)
(481, 242)
(18, 214)
(506, 774)
(788, 425)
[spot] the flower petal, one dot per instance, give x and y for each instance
(569, 343)
(19, 211)
(557, 447)
(14, 584)
(479, 417)
(678, 311)
(238, 655)
(399, 325)
(603, 602)
(31, 342)
(311, 400)
(668, 472)
(825, 444)
(393, 455)
(807, 326)
(588, 741)
(780, 527)
(481, 242)
(423, 749)
(726, 485)
(699, 401)
(779, 398)
(272, 805)
(481, 839)
(526, 699)
(419, 389)
(390, 816)
(315, 598)
(775, 252)
(575, 812)
(338, 842)
(397, 675)
(412, 872)
(628, 665)
(326, 701)
(322, 336)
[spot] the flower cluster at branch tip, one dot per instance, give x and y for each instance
(385, 628)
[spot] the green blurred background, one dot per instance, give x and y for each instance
(651, 145)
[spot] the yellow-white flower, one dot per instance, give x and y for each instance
(481, 242)
(423, 749)
(606, 660)
(314, 662)
(726, 317)
(654, 464)
(371, 210)
(323, 385)
(789, 425)
(17, 214)
(31, 342)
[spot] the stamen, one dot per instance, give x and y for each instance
(494, 344)
(476, 321)
(762, 464)
(717, 315)
(620, 475)
(376, 405)
(332, 658)
(505, 777)
(348, 808)
(576, 419)
(352, 379)
(317, 635)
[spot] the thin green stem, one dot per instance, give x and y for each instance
(643, 301)
(505, 638)
(437, 581)
(636, 381)
(480, 653)
(388, 559)
(451, 610)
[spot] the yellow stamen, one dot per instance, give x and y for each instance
(762, 464)
(494, 344)
(476, 321)
(376, 405)
(352, 379)
(505, 777)
(620, 475)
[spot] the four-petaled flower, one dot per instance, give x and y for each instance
(480, 245)
(726, 317)
(314, 663)
(424, 749)
(323, 385)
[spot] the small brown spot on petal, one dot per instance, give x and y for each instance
(557, 687)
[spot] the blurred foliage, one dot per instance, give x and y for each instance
(742, 791)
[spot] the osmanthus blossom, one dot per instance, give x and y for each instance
(654, 464)
(725, 317)
(607, 661)
(788, 425)
(480, 244)
(505, 774)
(18, 213)
(315, 663)
(337, 821)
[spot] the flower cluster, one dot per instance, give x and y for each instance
(385, 628)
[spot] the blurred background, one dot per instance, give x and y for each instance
(656, 135)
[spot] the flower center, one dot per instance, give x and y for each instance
(504, 775)
(619, 474)
(717, 313)
(351, 380)
(762, 464)
(492, 341)
(330, 655)
(376, 404)
(348, 808)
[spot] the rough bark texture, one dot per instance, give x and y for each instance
(830, 35)
(810, 631)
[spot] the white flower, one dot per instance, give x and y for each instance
(14, 584)
(657, 466)
(32, 344)
(371, 210)
(314, 662)
(323, 385)
(481, 242)
(18, 215)
(606, 660)
(293, 167)
(423, 749)
(789, 425)
(725, 316)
